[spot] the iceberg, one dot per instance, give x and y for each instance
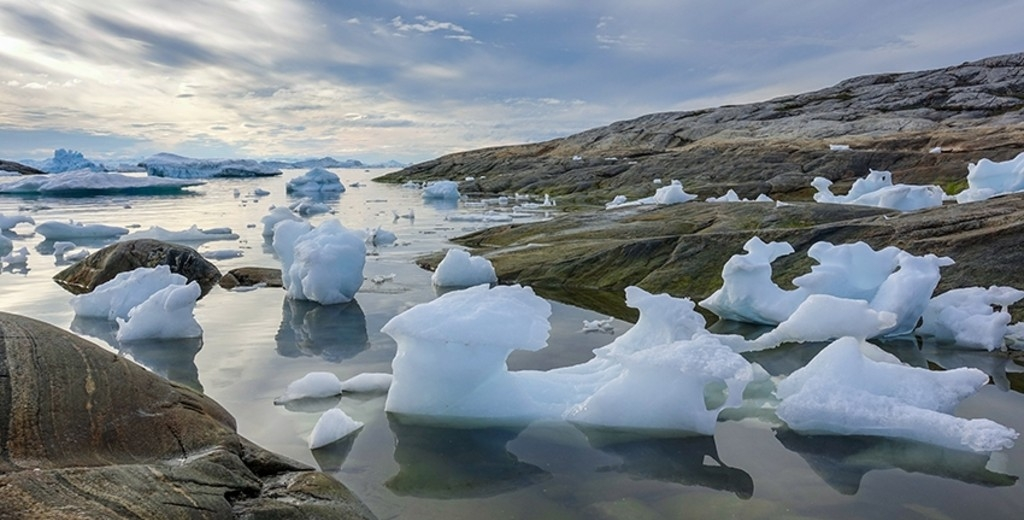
(854, 388)
(323, 264)
(191, 235)
(66, 161)
(877, 189)
(332, 426)
(731, 196)
(313, 385)
(460, 269)
(7, 223)
(448, 190)
(317, 180)
(748, 292)
(176, 166)
(967, 316)
(277, 214)
(15, 258)
(116, 297)
(671, 194)
(986, 179)
(167, 314)
(86, 183)
(71, 230)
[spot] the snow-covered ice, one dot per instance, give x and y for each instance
(85, 182)
(8, 222)
(877, 189)
(167, 314)
(323, 264)
(176, 166)
(191, 235)
(460, 269)
(987, 178)
(854, 388)
(116, 297)
(967, 317)
(222, 254)
(442, 190)
(317, 180)
(71, 230)
(332, 426)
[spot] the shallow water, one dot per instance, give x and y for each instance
(256, 342)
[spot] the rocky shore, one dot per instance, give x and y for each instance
(924, 127)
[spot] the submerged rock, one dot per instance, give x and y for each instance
(105, 264)
(250, 276)
(89, 434)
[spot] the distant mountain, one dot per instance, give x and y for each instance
(330, 162)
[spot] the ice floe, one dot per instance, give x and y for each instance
(54, 230)
(85, 182)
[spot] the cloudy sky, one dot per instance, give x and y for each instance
(412, 80)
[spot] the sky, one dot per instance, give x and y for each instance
(413, 80)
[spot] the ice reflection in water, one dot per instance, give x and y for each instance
(333, 332)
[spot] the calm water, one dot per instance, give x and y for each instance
(256, 342)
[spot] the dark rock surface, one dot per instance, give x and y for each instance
(105, 264)
(12, 166)
(682, 248)
(891, 122)
(249, 276)
(88, 434)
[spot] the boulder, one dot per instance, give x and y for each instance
(105, 264)
(249, 276)
(89, 434)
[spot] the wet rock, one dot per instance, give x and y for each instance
(89, 434)
(105, 264)
(250, 276)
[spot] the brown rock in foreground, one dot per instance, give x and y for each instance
(88, 434)
(249, 276)
(105, 264)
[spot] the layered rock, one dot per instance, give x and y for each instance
(890, 122)
(105, 264)
(89, 434)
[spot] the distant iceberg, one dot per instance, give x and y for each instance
(66, 161)
(171, 165)
(86, 182)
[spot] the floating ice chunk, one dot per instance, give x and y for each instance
(854, 388)
(382, 278)
(379, 237)
(6, 245)
(309, 207)
(731, 196)
(877, 189)
(460, 269)
(489, 216)
(61, 247)
(322, 264)
(748, 292)
(8, 222)
(86, 182)
(442, 190)
(70, 230)
(411, 215)
(260, 192)
(671, 194)
(17, 258)
(317, 180)
(116, 297)
(222, 254)
(452, 351)
(311, 386)
(367, 383)
(189, 236)
(604, 326)
(839, 147)
(167, 314)
(277, 215)
(332, 426)
(967, 318)
(170, 165)
(822, 317)
(76, 256)
(906, 292)
(986, 179)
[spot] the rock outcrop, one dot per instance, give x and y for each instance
(89, 434)
(11, 166)
(889, 121)
(250, 276)
(105, 264)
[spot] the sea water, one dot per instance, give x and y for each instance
(256, 342)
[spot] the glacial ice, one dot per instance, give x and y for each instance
(854, 388)
(307, 207)
(85, 182)
(877, 189)
(731, 196)
(323, 264)
(116, 297)
(966, 316)
(277, 214)
(987, 178)
(192, 235)
(671, 194)
(367, 383)
(71, 230)
(748, 293)
(311, 386)
(17, 257)
(332, 426)
(460, 269)
(167, 314)
(65, 161)
(8, 222)
(317, 180)
(442, 190)
(176, 166)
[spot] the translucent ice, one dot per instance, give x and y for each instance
(460, 269)
(986, 179)
(442, 190)
(167, 314)
(969, 316)
(877, 189)
(115, 297)
(323, 264)
(748, 292)
(71, 230)
(317, 180)
(332, 426)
